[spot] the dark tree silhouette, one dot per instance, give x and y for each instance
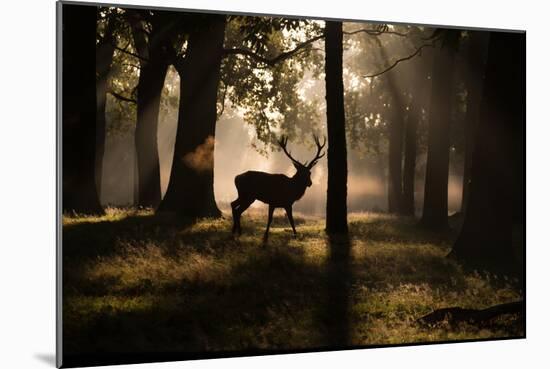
(104, 59)
(435, 210)
(419, 89)
(151, 48)
(191, 187)
(476, 57)
(276, 190)
(395, 145)
(336, 217)
(486, 236)
(79, 109)
(409, 162)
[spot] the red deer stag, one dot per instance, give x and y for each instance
(276, 190)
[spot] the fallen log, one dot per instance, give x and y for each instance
(455, 315)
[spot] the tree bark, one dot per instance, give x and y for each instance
(153, 68)
(79, 109)
(395, 147)
(190, 190)
(435, 210)
(336, 217)
(409, 166)
(419, 88)
(477, 55)
(486, 235)
(104, 59)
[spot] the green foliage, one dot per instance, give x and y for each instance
(268, 97)
(138, 282)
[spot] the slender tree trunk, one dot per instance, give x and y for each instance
(486, 236)
(336, 218)
(477, 55)
(435, 211)
(409, 167)
(79, 109)
(190, 190)
(153, 68)
(395, 149)
(104, 59)
(420, 91)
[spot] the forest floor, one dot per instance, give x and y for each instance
(134, 281)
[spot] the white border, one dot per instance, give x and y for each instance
(27, 154)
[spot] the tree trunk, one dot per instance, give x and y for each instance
(409, 167)
(79, 109)
(395, 147)
(486, 236)
(420, 87)
(336, 218)
(104, 59)
(153, 68)
(477, 55)
(435, 211)
(190, 190)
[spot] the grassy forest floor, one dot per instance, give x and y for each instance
(134, 281)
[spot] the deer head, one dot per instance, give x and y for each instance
(303, 171)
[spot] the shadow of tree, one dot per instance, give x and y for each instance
(338, 284)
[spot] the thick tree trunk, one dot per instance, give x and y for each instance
(435, 210)
(336, 217)
(151, 82)
(79, 109)
(486, 236)
(104, 59)
(477, 55)
(190, 191)
(153, 68)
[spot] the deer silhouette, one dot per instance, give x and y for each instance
(276, 190)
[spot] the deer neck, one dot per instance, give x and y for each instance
(298, 188)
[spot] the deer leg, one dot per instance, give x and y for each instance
(234, 206)
(239, 209)
(290, 218)
(269, 219)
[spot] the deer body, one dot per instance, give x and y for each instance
(276, 190)
(273, 189)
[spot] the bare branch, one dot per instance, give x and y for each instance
(372, 32)
(130, 53)
(123, 98)
(395, 63)
(272, 61)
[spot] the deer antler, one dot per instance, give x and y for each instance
(319, 148)
(282, 142)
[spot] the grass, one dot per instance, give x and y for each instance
(136, 282)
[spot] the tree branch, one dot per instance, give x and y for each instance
(398, 61)
(123, 98)
(372, 32)
(277, 59)
(130, 53)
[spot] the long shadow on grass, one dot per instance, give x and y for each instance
(399, 230)
(269, 301)
(91, 239)
(338, 276)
